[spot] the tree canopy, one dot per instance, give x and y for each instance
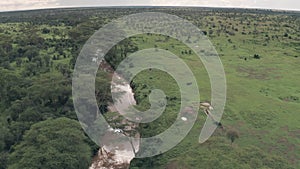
(57, 143)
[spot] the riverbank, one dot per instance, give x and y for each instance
(118, 154)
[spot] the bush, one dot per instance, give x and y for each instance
(233, 134)
(256, 56)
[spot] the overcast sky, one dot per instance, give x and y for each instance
(10, 5)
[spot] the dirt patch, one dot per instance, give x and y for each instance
(290, 149)
(260, 74)
(294, 99)
(285, 128)
(259, 134)
(284, 146)
(282, 140)
(240, 124)
(295, 134)
(172, 165)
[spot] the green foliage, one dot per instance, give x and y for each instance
(38, 50)
(119, 52)
(57, 143)
(103, 93)
(3, 160)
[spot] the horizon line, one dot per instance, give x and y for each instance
(152, 6)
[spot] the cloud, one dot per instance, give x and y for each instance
(213, 3)
(7, 5)
(37, 4)
(268, 4)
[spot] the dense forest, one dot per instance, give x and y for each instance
(260, 53)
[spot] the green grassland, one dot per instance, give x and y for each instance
(259, 51)
(262, 99)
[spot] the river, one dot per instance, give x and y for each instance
(118, 154)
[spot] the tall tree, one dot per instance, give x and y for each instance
(58, 144)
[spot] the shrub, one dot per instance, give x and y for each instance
(233, 134)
